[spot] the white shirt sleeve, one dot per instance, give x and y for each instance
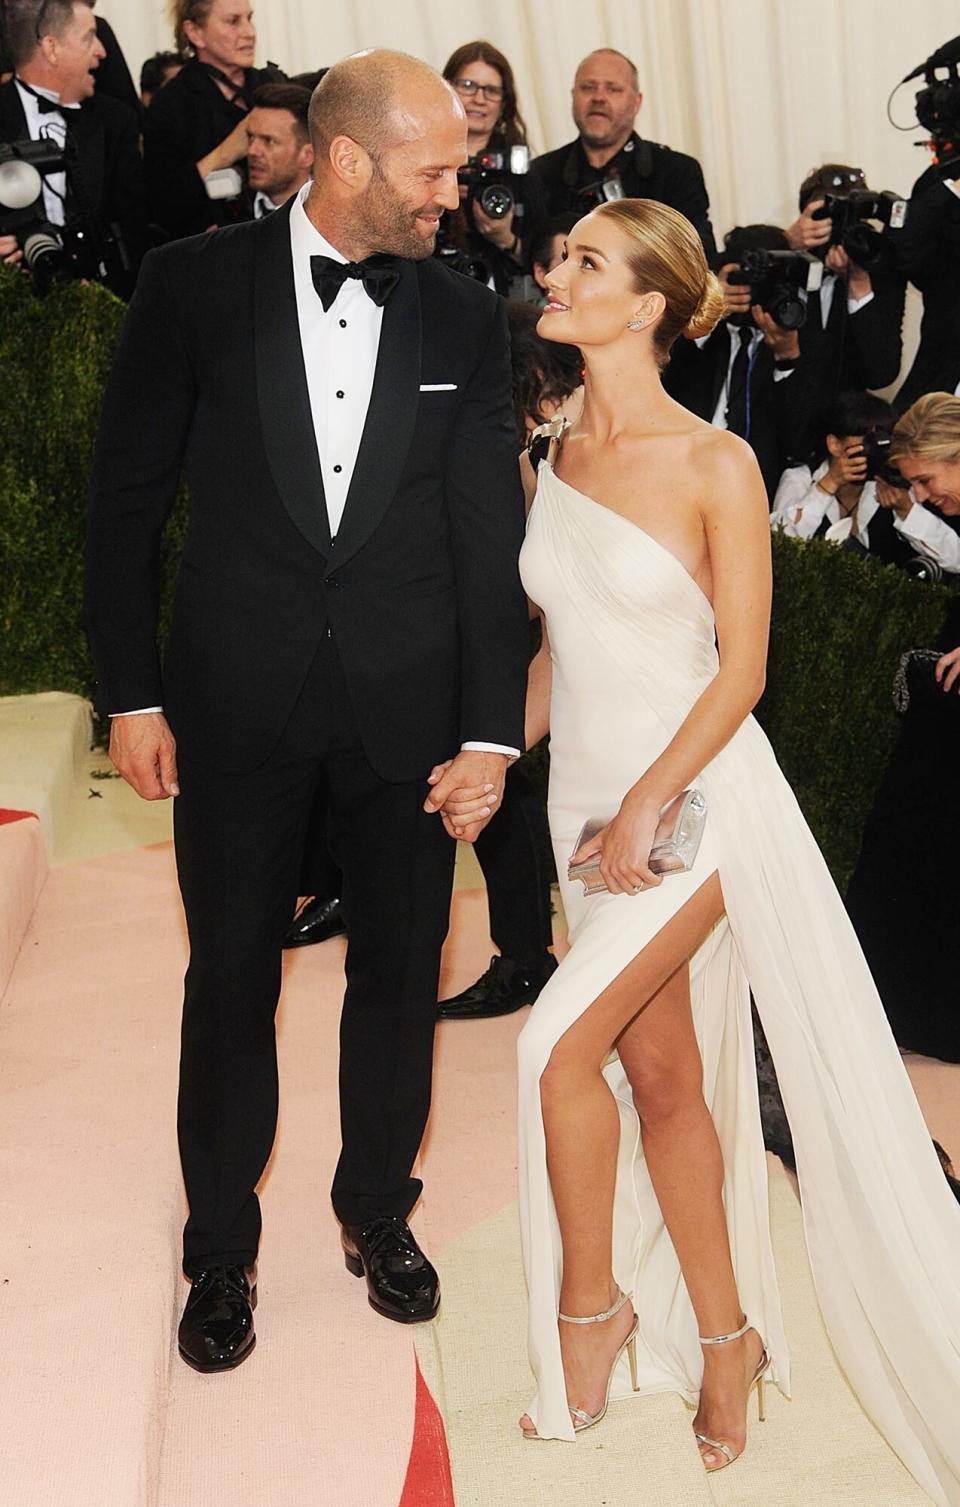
(853, 304)
(141, 711)
(932, 536)
(799, 506)
(511, 753)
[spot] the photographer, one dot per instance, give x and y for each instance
(195, 131)
(609, 160)
(853, 333)
(156, 72)
(748, 375)
(496, 244)
(94, 205)
(852, 496)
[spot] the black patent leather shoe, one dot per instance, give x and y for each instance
(506, 986)
(216, 1331)
(317, 920)
(401, 1283)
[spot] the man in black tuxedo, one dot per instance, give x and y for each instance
(348, 616)
(928, 249)
(56, 51)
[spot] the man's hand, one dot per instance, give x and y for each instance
(785, 344)
(10, 250)
(806, 233)
(144, 751)
(849, 467)
(499, 233)
(736, 296)
(466, 791)
(859, 281)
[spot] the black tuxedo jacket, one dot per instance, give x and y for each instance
(861, 350)
(106, 136)
(781, 420)
(929, 252)
(646, 169)
(421, 588)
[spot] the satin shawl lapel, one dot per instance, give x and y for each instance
(285, 417)
(391, 417)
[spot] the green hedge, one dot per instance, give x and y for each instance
(839, 623)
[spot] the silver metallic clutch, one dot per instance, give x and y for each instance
(675, 844)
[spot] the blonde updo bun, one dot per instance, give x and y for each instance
(709, 311)
(665, 255)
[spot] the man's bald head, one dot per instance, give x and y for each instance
(379, 99)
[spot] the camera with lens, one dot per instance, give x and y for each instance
(780, 281)
(876, 451)
(52, 253)
(489, 179)
(849, 215)
(604, 191)
(458, 259)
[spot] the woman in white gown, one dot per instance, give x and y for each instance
(642, 1168)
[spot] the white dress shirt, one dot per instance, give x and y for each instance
(340, 347)
(48, 126)
(800, 506)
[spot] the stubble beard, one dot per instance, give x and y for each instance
(390, 225)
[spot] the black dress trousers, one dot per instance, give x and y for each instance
(239, 840)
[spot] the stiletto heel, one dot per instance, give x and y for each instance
(582, 1419)
(759, 1375)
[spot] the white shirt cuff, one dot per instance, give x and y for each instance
(853, 304)
(511, 753)
(952, 185)
(140, 712)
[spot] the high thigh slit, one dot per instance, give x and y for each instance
(633, 647)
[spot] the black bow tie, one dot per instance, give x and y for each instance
(46, 106)
(379, 275)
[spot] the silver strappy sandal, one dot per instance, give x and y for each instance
(581, 1419)
(759, 1375)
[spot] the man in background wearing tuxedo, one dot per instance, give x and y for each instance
(56, 51)
(348, 617)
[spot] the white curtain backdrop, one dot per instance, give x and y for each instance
(758, 90)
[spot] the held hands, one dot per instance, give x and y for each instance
(144, 751)
(624, 845)
(467, 791)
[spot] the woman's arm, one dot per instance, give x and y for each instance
(736, 525)
(539, 681)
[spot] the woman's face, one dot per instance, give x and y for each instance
(482, 111)
(227, 38)
(591, 294)
(936, 481)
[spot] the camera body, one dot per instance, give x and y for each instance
(849, 215)
(938, 103)
(53, 253)
(489, 180)
(779, 281)
(876, 451)
(604, 191)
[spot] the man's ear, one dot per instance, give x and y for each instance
(834, 445)
(351, 162)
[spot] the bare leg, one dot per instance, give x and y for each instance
(646, 1010)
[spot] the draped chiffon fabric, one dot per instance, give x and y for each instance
(633, 646)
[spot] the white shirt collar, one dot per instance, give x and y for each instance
(50, 94)
(305, 238)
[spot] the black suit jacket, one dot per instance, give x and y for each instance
(929, 251)
(646, 170)
(187, 118)
(106, 138)
(421, 588)
(780, 410)
(860, 350)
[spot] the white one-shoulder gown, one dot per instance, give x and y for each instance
(633, 645)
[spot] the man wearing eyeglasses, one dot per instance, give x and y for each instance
(55, 51)
(609, 160)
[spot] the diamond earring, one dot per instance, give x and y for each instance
(636, 324)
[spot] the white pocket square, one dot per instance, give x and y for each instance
(438, 386)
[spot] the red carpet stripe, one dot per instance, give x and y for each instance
(7, 816)
(428, 1482)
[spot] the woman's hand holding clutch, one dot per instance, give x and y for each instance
(624, 845)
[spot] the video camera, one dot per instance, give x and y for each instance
(938, 103)
(779, 281)
(488, 177)
(53, 253)
(876, 451)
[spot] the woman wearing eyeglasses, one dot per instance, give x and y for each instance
(483, 79)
